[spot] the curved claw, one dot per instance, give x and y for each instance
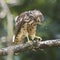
(39, 38)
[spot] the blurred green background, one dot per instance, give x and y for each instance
(49, 30)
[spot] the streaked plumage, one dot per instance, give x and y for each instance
(26, 24)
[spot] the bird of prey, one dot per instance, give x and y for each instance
(26, 24)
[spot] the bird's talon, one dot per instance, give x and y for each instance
(28, 41)
(39, 38)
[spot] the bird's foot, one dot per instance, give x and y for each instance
(38, 38)
(28, 41)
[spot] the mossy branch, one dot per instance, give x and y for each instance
(29, 46)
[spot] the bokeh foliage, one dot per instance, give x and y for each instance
(49, 30)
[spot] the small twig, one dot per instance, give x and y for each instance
(26, 46)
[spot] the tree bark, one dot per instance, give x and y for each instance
(29, 46)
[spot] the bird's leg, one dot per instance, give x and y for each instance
(28, 40)
(32, 36)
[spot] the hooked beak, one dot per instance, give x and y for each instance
(39, 21)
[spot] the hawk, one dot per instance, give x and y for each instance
(26, 24)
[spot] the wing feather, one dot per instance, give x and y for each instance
(19, 23)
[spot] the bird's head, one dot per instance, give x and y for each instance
(30, 17)
(37, 16)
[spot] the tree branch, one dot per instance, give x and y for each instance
(29, 46)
